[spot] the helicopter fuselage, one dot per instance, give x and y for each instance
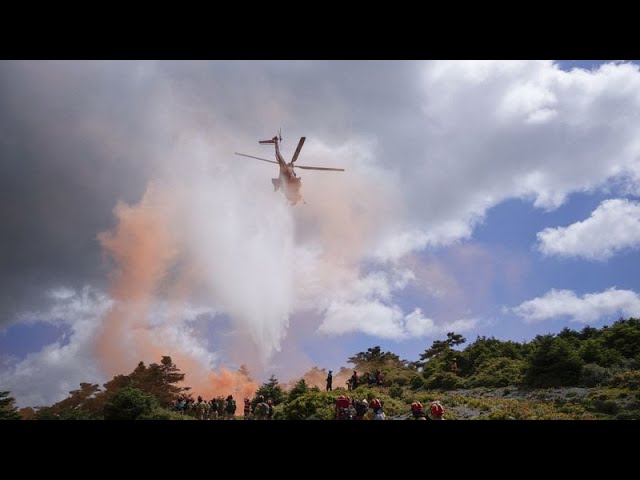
(287, 181)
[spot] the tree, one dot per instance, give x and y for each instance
(624, 337)
(440, 347)
(375, 358)
(271, 390)
(300, 388)
(157, 379)
(128, 404)
(8, 410)
(393, 369)
(553, 363)
(86, 399)
(484, 349)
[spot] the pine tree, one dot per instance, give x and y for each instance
(8, 410)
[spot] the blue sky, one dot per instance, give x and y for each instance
(489, 198)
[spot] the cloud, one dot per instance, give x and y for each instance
(383, 321)
(77, 137)
(591, 307)
(47, 376)
(367, 306)
(612, 228)
(491, 131)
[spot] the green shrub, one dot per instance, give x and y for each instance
(76, 414)
(128, 404)
(418, 382)
(606, 406)
(632, 415)
(627, 379)
(498, 372)
(396, 391)
(444, 381)
(594, 375)
(311, 406)
(163, 414)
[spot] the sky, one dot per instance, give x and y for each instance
(496, 198)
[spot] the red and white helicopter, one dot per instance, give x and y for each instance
(288, 181)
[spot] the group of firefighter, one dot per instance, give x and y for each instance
(346, 408)
(215, 409)
(354, 409)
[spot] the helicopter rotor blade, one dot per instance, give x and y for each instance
(257, 158)
(321, 168)
(298, 148)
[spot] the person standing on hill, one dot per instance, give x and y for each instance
(329, 382)
(454, 367)
(262, 409)
(354, 380)
(230, 408)
(247, 408)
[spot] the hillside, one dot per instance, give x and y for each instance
(587, 374)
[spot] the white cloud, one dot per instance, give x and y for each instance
(591, 307)
(384, 321)
(47, 376)
(498, 130)
(366, 305)
(612, 227)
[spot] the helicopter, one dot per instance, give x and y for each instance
(287, 181)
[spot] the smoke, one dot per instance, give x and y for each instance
(236, 383)
(318, 378)
(220, 239)
(142, 247)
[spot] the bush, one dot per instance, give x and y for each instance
(76, 414)
(498, 372)
(128, 404)
(444, 381)
(594, 375)
(418, 382)
(396, 392)
(606, 406)
(311, 406)
(163, 414)
(628, 379)
(635, 415)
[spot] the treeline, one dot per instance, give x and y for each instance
(591, 357)
(146, 393)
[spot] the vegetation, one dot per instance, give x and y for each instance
(587, 374)
(130, 403)
(271, 390)
(8, 411)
